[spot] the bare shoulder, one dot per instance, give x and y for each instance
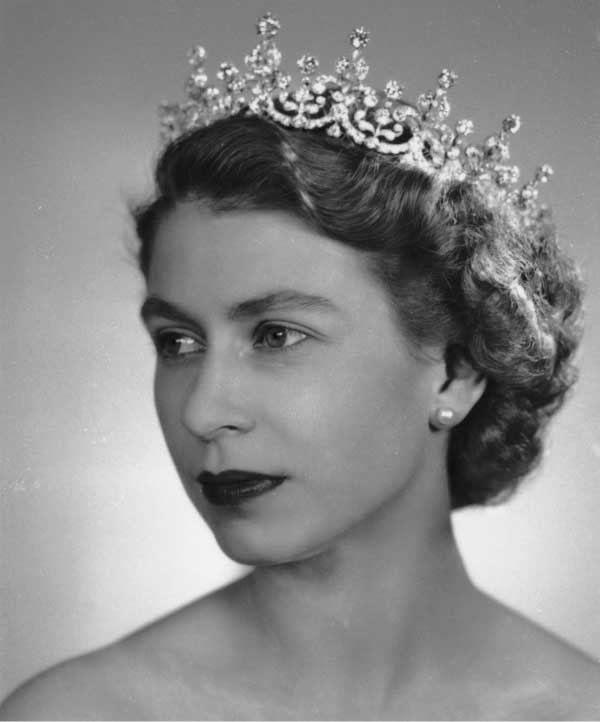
(545, 677)
(161, 671)
(81, 688)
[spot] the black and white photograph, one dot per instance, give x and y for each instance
(299, 363)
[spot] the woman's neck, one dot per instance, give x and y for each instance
(370, 608)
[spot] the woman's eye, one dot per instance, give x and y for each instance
(174, 346)
(275, 337)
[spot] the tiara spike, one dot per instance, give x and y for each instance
(343, 104)
(268, 26)
(359, 38)
(197, 56)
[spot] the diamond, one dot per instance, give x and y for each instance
(370, 98)
(339, 112)
(495, 149)
(263, 61)
(511, 124)
(361, 69)
(359, 38)
(268, 26)
(464, 127)
(426, 101)
(197, 81)
(473, 158)
(227, 71)
(303, 94)
(443, 107)
(447, 137)
(197, 56)
(308, 64)
(528, 193)
(506, 175)
(342, 65)
(236, 84)
(382, 116)
(273, 56)
(399, 114)
(503, 175)
(393, 90)
(543, 174)
(283, 81)
(256, 59)
(446, 79)
(192, 116)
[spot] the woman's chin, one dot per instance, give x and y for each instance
(263, 552)
(263, 547)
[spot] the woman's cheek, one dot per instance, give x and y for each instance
(169, 400)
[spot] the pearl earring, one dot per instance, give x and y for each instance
(444, 417)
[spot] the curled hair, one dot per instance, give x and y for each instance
(457, 273)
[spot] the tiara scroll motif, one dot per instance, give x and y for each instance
(343, 105)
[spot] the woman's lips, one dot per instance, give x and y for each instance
(233, 487)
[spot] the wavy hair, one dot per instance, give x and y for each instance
(457, 273)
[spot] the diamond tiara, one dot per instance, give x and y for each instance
(343, 105)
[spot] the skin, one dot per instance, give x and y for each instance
(359, 606)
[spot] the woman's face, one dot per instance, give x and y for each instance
(278, 355)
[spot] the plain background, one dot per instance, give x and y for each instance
(97, 536)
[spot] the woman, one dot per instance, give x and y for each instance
(359, 327)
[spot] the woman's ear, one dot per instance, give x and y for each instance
(461, 390)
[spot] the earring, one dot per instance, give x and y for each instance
(443, 418)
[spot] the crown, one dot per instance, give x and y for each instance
(342, 104)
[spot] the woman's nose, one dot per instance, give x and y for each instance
(214, 404)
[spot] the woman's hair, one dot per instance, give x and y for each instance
(457, 273)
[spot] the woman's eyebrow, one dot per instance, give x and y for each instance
(285, 300)
(155, 306)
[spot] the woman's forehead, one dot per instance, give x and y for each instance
(250, 253)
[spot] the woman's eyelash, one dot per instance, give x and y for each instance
(164, 338)
(273, 337)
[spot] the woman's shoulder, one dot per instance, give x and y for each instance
(149, 673)
(551, 679)
(533, 673)
(86, 687)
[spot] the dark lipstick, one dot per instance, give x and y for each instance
(233, 487)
